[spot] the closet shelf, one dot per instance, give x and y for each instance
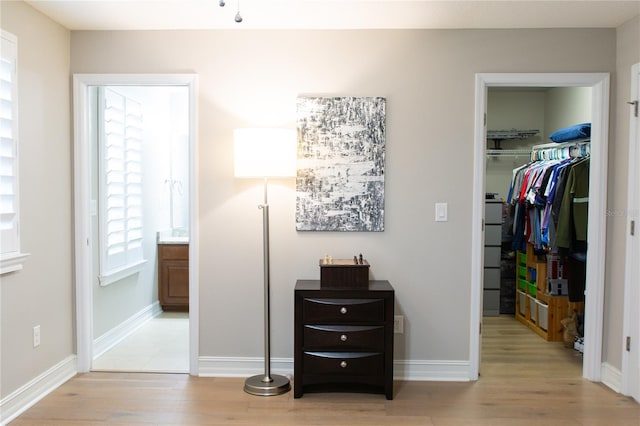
(511, 134)
(499, 135)
(508, 152)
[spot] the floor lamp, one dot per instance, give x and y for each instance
(265, 153)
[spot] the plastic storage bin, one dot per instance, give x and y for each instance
(522, 297)
(543, 315)
(533, 308)
(523, 284)
(522, 272)
(522, 257)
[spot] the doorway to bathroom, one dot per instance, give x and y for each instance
(135, 179)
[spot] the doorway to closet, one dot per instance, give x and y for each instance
(529, 282)
(135, 193)
(599, 84)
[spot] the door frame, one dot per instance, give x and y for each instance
(594, 298)
(631, 321)
(82, 206)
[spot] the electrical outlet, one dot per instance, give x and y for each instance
(398, 324)
(36, 336)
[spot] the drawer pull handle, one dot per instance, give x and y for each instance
(343, 337)
(343, 364)
(343, 310)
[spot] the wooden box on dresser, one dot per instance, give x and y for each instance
(173, 276)
(343, 338)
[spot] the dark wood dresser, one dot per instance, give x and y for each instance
(173, 276)
(343, 338)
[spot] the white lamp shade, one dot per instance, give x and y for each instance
(265, 152)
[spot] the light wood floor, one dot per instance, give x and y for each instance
(524, 381)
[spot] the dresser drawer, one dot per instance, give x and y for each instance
(173, 251)
(344, 363)
(344, 337)
(342, 310)
(492, 235)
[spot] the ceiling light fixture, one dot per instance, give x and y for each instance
(238, 17)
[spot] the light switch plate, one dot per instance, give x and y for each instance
(441, 212)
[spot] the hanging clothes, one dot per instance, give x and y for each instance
(571, 233)
(544, 193)
(530, 184)
(550, 196)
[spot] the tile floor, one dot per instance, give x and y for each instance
(160, 345)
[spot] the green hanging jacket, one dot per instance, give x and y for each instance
(572, 221)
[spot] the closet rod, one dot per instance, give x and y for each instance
(508, 152)
(551, 151)
(576, 142)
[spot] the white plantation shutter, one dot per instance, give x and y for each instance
(9, 200)
(121, 219)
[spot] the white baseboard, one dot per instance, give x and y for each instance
(215, 366)
(431, 370)
(117, 334)
(27, 395)
(611, 376)
(457, 371)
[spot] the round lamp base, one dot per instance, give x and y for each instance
(256, 385)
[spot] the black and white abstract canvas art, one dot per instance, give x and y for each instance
(341, 150)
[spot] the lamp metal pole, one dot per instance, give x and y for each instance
(266, 385)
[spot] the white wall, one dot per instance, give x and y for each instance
(42, 293)
(516, 108)
(566, 106)
(250, 78)
(512, 108)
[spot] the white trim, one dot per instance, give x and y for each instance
(23, 398)
(594, 298)
(9, 36)
(596, 230)
(123, 330)
(410, 370)
(12, 262)
(630, 385)
(120, 274)
(82, 214)
(427, 370)
(194, 229)
(82, 219)
(214, 366)
(477, 220)
(611, 376)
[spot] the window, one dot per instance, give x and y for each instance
(120, 151)
(10, 256)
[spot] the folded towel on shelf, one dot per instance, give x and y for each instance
(572, 133)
